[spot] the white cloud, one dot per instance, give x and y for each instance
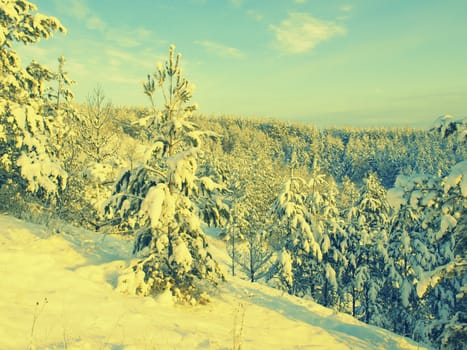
(141, 59)
(255, 15)
(301, 32)
(77, 9)
(130, 37)
(95, 22)
(126, 37)
(33, 52)
(80, 10)
(236, 3)
(220, 50)
(346, 8)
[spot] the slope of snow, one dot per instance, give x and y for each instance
(58, 292)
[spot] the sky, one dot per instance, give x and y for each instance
(325, 62)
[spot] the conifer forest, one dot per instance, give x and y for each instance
(370, 222)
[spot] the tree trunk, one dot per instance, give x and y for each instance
(325, 293)
(367, 305)
(233, 254)
(353, 301)
(252, 268)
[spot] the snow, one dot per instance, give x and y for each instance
(133, 283)
(427, 279)
(429, 200)
(447, 222)
(326, 244)
(165, 298)
(331, 276)
(66, 283)
(415, 199)
(20, 117)
(442, 120)
(458, 176)
(9, 10)
(405, 292)
(182, 167)
(285, 263)
(181, 255)
(41, 171)
(209, 184)
(448, 124)
(98, 172)
(152, 203)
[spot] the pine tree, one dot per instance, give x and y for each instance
(333, 246)
(348, 198)
(427, 257)
(233, 234)
(445, 323)
(163, 193)
(367, 249)
(27, 158)
(309, 211)
(301, 250)
(327, 228)
(410, 249)
(247, 169)
(59, 106)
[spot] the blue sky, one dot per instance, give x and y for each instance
(355, 62)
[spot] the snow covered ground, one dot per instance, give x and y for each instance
(57, 291)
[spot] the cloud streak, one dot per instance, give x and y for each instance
(81, 11)
(255, 15)
(220, 49)
(300, 33)
(123, 36)
(96, 23)
(346, 8)
(130, 37)
(236, 3)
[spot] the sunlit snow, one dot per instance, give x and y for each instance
(58, 292)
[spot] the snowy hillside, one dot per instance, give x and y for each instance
(58, 292)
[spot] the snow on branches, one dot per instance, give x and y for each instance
(166, 196)
(26, 152)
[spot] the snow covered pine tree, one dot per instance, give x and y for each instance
(435, 252)
(26, 155)
(161, 199)
(301, 252)
(367, 250)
